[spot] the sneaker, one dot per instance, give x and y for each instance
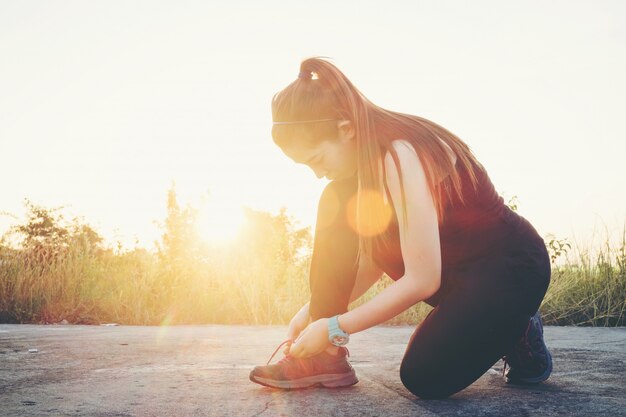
(530, 361)
(323, 369)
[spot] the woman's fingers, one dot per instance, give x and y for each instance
(298, 349)
(287, 349)
(294, 330)
(297, 352)
(293, 335)
(301, 335)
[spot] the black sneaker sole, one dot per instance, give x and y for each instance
(324, 380)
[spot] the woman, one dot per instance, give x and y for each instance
(407, 198)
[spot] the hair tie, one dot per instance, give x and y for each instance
(305, 75)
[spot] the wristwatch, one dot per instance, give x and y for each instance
(336, 336)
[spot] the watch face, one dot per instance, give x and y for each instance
(339, 340)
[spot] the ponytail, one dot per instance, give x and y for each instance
(322, 93)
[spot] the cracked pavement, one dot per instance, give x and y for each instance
(203, 371)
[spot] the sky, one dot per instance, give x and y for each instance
(104, 104)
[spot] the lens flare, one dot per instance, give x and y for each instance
(374, 214)
(164, 326)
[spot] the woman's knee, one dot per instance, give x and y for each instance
(421, 383)
(333, 205)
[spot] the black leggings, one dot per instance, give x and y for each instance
(483, 311)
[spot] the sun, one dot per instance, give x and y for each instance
(220, 221)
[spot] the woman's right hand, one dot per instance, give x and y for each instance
(298, 323)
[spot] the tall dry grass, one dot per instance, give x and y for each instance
(589, 288)
(136, 287)
(61, 271)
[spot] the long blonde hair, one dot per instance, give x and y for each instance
(323, 93)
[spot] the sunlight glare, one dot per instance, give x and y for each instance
(220, 221)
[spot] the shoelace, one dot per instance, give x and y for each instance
(288, 357)
(279, 346)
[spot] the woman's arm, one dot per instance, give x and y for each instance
(419, 241)
(368, 273)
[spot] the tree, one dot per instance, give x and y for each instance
(42, 228)
(179, 241)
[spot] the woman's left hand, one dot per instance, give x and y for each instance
(312, 340)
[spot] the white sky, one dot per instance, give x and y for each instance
(104, 103)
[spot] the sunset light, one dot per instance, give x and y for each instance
(219, 222)
(198, 215)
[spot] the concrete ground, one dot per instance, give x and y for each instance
(203, 371)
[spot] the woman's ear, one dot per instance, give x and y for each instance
(346, 129)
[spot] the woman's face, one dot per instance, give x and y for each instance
(334, 158)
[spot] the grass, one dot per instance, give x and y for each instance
(260, 279)
(589, 289)
(137, 288)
